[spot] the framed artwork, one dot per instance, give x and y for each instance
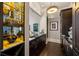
(35, 27)
(54, 26)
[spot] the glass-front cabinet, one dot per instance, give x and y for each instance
(11, 24)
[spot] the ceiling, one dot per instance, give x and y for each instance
(58, 4)
(42, 6)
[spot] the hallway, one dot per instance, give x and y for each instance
(25, 28)
(52, 49)
(48, 28)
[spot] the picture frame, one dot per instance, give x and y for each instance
(35, 27)
(54, 25)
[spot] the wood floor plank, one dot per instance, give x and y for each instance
(52, 49)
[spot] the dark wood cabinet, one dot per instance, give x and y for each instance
(37, 45)
(66, 20)
(66, 23)
(76, 29)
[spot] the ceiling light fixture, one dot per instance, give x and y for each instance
(52, 9)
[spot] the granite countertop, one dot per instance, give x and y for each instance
(31, 38)
(35, 37)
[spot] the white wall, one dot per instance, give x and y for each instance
(54, 36)
(33, 18)
(43, 22)
(36, 7)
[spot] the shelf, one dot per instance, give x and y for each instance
(12, 45)
(14, 18)
(11, 6)
(13, 25)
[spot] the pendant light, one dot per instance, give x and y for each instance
(52, 9)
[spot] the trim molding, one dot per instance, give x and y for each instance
(54, 40)
(35, 11)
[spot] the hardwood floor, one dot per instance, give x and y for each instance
(52, 49)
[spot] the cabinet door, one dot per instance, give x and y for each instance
(76, 26)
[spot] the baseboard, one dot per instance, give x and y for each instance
(54, 40)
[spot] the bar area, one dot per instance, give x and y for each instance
(12, 28)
